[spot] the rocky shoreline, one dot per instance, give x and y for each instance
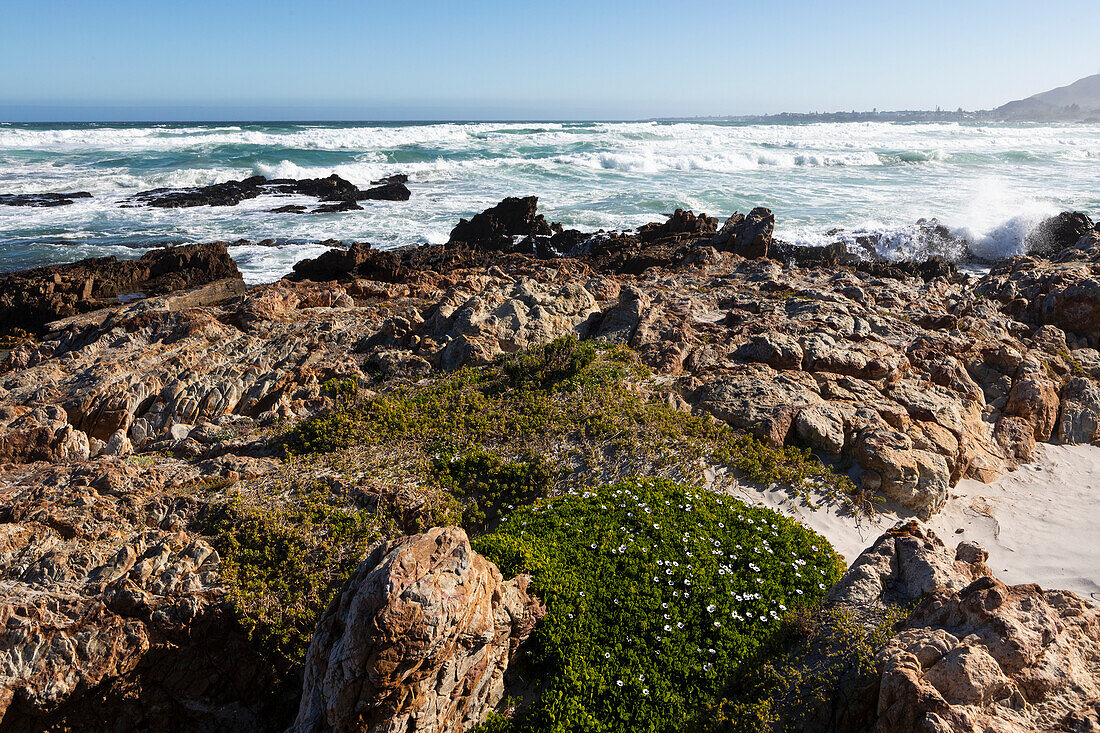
(144, 417)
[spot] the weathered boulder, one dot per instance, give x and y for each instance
(1079, 419)
(419, 639)
(112, 616)
(497, 322)
(974, 654)
(992, 657)
(40, 433)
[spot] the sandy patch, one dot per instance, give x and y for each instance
(1040, 523)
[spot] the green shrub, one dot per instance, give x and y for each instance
(656, 596)
(589, 407)
(486, 484)
(284, 565)
(820, 663)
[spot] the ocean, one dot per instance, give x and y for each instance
(989, 183)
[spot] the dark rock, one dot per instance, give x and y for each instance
(290, 209)
(496, 227)
(338, 206)
(40, 200)
(32, 298)
(749, 236)
(395, 178)
(395, 191)
(681, 225)
(359, 260)
(1053, 235)
(230, 193)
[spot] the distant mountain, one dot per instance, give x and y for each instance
(1078, 101)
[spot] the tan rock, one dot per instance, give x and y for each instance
(418, 640)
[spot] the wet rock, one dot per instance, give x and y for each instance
(1056, 233)
(395, 178)
(230, 193)
(357, 261)
(339, 206)
(391, 191)
(496, 227)
(420, 638)
(40, 200)
(680, 225)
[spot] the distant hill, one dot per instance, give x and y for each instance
(1078, 101)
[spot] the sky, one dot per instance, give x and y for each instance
(528, 59)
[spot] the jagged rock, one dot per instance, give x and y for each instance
(973, 654)
(759, 399)
(1056, 233)
(112, 616)
(231, 193)
(752, 236)
(33, 298)
(339, 206)
(905, 564)
(420, 638)
(493, 323)
(774, 349)
(496, 227)
(358, 260)
(39, 434)
(391, 190)
(40, 200)
(1079, 420)
(681, 225)
(1064, 292)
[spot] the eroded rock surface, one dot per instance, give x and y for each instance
(113, 614)
(419, 640)
(974, 654)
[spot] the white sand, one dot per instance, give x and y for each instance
(1040, 523)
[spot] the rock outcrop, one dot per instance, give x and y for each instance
(974, 654)
(231, 193)
(113, 614)
(42, 200)
(419, 639)
(916, 379)
(1063, 291)
(32, 298)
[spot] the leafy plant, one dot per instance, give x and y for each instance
(657, 595)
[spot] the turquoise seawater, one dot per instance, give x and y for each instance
(990, 183)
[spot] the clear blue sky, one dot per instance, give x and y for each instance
(434, 59)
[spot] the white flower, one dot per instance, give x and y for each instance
(607, 655)
(645, 691)
(619, 683)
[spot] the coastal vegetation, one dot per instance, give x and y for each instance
(657, 595)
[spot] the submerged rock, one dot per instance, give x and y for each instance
(41, 200)
(419, 639)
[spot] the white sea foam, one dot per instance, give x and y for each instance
(989, 184)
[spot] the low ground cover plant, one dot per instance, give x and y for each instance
(657, 595)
